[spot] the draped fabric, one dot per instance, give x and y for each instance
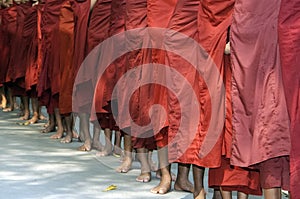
(98, 31)
(49, 30)
(17, 66)
(81, 16)
(2, 35)
(227, 176)
(98, 28)
(9, 26)
(116, 69)
(30, 35)
(187, 138)
(260, 118)
(73, 28)
(159, 14)
(289, 45)
(62, 70)
(183, 20)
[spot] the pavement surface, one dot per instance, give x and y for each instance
(33, 166)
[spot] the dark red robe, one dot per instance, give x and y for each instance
(49, 29)
(289, 45)
(9, 27)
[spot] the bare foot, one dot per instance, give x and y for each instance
(184, 186)
(3, 105)
(75, 134)
(42, 117)
(144, 177)
(25, 116)
(153, 166)
(67, 139)
(33, 120)
(158, 175)
(103, 153)
(87, 146)
(8, 109)
(59, 134)
(125, 166)
(201, 195)
(83, 148)
(47, 124)
(163, 187)
(48, 129)
(117, 152)
(97, 145)
(16, 106)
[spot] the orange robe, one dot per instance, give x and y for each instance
(186, 138)
(63, 61)
(159, 14)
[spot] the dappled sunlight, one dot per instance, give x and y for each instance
(35, 166)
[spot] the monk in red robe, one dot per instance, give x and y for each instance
(9, 22)
(97, 32)
(289, 46)
(261, 127)
(49, 29)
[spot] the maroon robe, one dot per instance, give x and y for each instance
(17, 66)
(49, 29)
(2, 34)
(73, 41)
(9, 27)
(30, 35)
(81, 14)
(98, 31)
(289, 45)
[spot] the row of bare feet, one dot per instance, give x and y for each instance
(109, 150)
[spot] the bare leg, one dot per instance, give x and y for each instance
(165, 182)
(96, 138)
(16, 106)
(242, 195)
(153, 165)
(117, 145)
(274, 193)
(226, 194)
(108, 145)
(26, 112)
(198, 174)
(35, 110)
(75, 134)
(51, 126)
(3, 98)
(60, 129)
(217, 194)
(41, 116)
(69, 126)
(145, 175)
(126, 164)
(85, 130)
(182, 182)
(11, 101)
